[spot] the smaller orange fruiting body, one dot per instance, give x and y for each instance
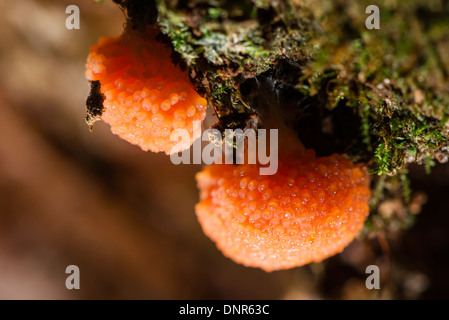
(311, 209)
(146, 96)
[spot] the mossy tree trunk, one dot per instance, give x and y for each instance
(380, 95)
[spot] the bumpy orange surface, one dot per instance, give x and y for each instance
(146, 96)
(308, 211)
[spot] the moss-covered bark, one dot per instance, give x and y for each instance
(381, 96)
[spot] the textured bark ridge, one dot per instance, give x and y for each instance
(94, 104)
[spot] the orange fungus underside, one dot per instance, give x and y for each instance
(311, 209)
(146, 96)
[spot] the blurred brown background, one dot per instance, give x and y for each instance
(126, 217)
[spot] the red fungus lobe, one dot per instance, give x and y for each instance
(147, 97)
(311, 209)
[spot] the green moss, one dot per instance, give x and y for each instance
(229, 42)
(394, 75)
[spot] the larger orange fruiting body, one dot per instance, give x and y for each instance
(311, 209)
(147, 97)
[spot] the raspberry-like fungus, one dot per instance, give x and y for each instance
(147, 97)
(311, 209)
